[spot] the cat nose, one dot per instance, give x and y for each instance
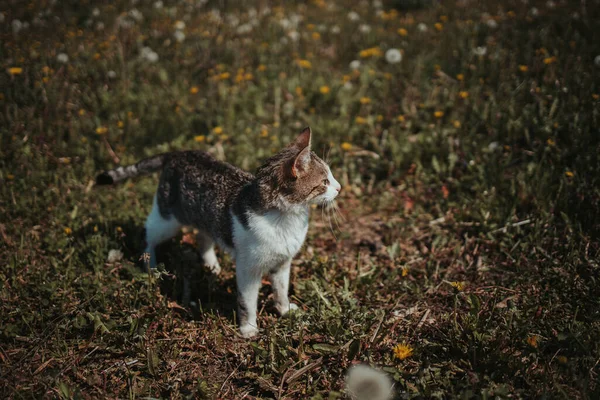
(338, 188)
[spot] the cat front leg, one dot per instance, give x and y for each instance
(280, 281)
(248, 285)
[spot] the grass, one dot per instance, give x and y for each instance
(471, 197)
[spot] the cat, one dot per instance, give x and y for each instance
(261, 219)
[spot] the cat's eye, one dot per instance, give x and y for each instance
(326, 182)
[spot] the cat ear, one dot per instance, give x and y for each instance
(303, 140)
(301, 162)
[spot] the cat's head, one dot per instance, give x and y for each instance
(298, 176)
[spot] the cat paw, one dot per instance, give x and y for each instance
(214, 268)
(248, 331)
(291, 307)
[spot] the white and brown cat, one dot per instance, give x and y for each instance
(261, 219)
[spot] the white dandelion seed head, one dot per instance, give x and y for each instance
(179, 36)
(322, 28)
(284, 41)
(377, 4)
(480, 51)
(215, 15)
(393, 56)
(295, 19)
(62, 58)
(294, 35)
(366, 383)
(136, 14)
(597, 61)
(158, 5)
(534, 12)
(179, 25)
(353, 16)
(125, 23)
(421, 27)
(491, 23)
(149, 55)
(335, 30)
(285, 23)
(252, 13)
(355, 64)
(100, 26)
(16, 25)
(114, 256)
(111, 74)
(550, 4)
(232, 20)
(348, 85)
(96, 12)
(244, 29)
(364, 28)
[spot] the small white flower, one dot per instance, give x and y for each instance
(355, 64)
(158, 5)
(114, 256)
(62, 58)
(17, 25)
(96, 12)
(480, 51)
(179, 36)
(179, 25)
(597, 61)
(421, 27)
(393, 56)
(353, 16)
(348, 86)
(111, 74)
(125, 23)
(232, 20)
(252, 13)
(366, 383)
(364, 28)
(493, 146)
(492, 23)
(377, 4)
(285, 23)
(294, 35)
(534, 12)
(550, 4)
(335, 30)
(100, 26)
(295, 19)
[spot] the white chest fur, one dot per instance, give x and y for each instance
(270, 239)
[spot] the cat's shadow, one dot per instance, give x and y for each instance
(183, 279)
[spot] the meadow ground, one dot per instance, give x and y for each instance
(470, 166)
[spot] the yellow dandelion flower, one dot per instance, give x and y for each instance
(10, 177)
(379, 118)
(533, 341)
(438, 26)
(346, 78)
(387, 76)
(217, 130)
(120, 124)
(306, 64)
(595, 96)
(402, 32)
(569, 174)
(298, 91)
(262, 68)
(316, 35)
(402, 351)
(346, 146)
(224, 75)
(365, 100)
(194, 90)
(463, 94)
(456, 124)
(81, 112)
(460, 77)
(562, 359)
(95, 228)
(400, 118)
(324, 89)
(444, 18)
(101, 130)
(550, 142)
(404, 271)
(199, 138)
(360, 120)
(264, 132)
(523, 68)
(511, 14)
(460, 286)
(550, 60)
(119, 229)
(97, 56)
(438, 114)
(310, 27)
(15, 70)
(68, 231)
(248, 76)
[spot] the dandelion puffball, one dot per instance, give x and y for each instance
(149, 55)
(355, 64)
(393, 56)
(597, 61)
(366, 383)
(364, 28)
(353, 16)
(62, 58)
(422, 27)
(179, 36)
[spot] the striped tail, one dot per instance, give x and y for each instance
(143, 167)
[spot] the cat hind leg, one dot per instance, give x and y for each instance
(158, 230)
(206, 247)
